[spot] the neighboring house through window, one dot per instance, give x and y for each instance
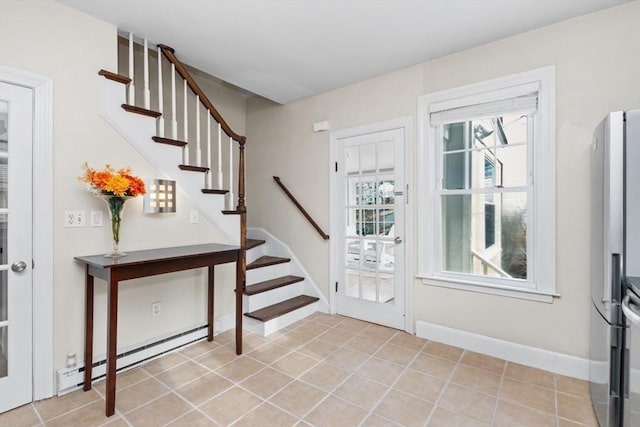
(487, 169)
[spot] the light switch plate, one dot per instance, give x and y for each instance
(193, 217)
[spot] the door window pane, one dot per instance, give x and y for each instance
(4, 342)
(353, 284)
(368, 158)
(4, 139)
(385, 156)
(3, 239)
(4, 286)
(352, 160)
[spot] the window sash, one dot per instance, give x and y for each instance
(439, 270)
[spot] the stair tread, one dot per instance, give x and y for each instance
(268, 285)
(140, 110)
(191, 168)
(114, 76)
(281, 308)
(252, 243)
(266, 260)
(168, 141)
(214, 191)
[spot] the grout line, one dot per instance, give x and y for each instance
(445, 386)
(33, 406)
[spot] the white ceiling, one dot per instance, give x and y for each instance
(290, 49)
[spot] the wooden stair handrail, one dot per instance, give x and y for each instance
(324, 235)
(169, 53)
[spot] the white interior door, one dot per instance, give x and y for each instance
(369, 193)
(16, 130)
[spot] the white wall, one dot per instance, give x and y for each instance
(50, 39)
(596, 69)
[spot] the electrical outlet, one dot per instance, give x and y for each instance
(155, 309)
(96, 218)
(74, 218)
(193, 217)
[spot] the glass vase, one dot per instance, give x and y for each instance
(115, 205)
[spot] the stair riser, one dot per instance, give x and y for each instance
(265, 299)
(261, 274)
(274, 325)
(255, 253)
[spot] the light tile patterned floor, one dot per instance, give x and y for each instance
(324, 371)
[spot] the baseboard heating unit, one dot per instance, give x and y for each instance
(72, 378)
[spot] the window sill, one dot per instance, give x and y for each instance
(505, 291)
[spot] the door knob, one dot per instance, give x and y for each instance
(18, 266)
(397, 240)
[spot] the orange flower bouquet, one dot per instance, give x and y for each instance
(115, 187)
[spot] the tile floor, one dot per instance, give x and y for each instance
(324, 371)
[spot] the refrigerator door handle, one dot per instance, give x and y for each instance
(630, 312)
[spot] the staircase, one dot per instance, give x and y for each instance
(277, 290)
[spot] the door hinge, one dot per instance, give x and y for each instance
(336, 166)
(336, 287)
(33, 264)
(406, 199)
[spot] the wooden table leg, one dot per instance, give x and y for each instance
(210, 300)
(112, 334)
(239, 314)
(88, 330)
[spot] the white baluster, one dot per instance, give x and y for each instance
(146, 92)
(231, 207)
(186, 125)
(174, 120)
(132, 88)
(219, 157)
(160, 97)
(198, 147)
(210, 172)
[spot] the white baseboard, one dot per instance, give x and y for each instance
(559, 363)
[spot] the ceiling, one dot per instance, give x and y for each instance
(286, 50)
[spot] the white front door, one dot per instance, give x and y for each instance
(16, 130)
(369, 201)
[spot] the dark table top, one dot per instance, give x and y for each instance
(156, 255)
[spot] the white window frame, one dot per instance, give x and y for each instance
(541, 204)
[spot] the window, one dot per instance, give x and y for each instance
(487, 169)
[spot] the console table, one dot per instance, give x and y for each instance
(143, 264)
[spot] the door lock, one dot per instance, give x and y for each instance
(18, 267)
(397, 240)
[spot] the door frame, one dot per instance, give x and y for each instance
(42, 339)
(405, 123)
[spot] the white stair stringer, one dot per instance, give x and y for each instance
(139, 130)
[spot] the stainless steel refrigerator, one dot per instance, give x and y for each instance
(615, 260)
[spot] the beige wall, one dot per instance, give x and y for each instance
(50, 39)
(595, 72)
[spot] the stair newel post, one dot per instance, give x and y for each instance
(209, 173)
(242, 208)
(160, 96)
(146, 92)
(198, 145)
(185, 124)
(132, 88)
(231, 196)
(219, 177)
(174, 120)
